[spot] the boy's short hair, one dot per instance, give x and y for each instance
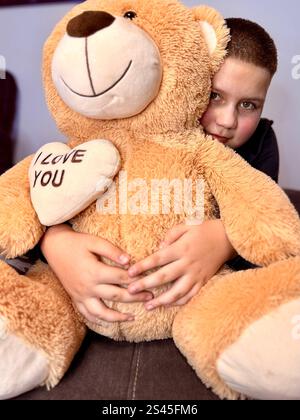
(252, 44)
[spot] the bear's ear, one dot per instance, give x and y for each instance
(215, 32)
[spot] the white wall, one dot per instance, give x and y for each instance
(23, 31)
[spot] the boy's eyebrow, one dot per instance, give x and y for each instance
(254, 99)
(257, 99)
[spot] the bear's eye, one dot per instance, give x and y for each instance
(130, 15)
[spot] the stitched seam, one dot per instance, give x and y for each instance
(88, 65)
(136, 373)
(132, 371)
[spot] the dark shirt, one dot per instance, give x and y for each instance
(261, 152)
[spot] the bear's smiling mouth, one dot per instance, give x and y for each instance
(96, 95)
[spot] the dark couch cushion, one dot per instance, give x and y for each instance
(295, 198)
(106, 370)
(8, 97)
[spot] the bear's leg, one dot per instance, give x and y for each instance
(242, 333)
(39, 331)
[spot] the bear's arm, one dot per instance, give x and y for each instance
(20, 229)
(260, 221)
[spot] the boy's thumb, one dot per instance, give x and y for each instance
(173, 235)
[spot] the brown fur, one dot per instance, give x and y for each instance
(39, 311)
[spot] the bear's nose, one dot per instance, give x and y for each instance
(88, 23)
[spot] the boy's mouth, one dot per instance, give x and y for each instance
(221, 139)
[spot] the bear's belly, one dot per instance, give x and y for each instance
(147, 326)
(143, 204)
(135, 214)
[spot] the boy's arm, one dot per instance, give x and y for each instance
(20, 229)
(260, 221)
(266, 161)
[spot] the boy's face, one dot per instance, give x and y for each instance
(238, 96)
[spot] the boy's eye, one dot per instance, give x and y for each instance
(214, 96)
(249, 106)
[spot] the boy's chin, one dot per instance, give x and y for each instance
(231, 144)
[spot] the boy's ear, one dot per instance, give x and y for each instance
(215, 32)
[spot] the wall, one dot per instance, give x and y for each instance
(23, 31)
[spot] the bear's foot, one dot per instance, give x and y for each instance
(264, 362)
(40, 331)
(22, 367)
(241, 333)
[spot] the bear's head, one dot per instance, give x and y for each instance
(135, 65)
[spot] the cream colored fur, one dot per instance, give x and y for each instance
(21, 368)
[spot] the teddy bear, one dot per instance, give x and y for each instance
(137, 75)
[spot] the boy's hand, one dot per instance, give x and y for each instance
(189, 257)
(74, 257)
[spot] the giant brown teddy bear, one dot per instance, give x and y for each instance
(155, 61)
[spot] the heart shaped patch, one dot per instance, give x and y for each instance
(64, 181)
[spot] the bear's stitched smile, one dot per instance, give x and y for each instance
(101, 93)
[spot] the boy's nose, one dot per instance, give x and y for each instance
(227, 118)
(88, 23)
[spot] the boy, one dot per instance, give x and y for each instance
(189, 255)
(238, 95)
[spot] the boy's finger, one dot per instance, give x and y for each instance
(112, 275)
(158, 259)
(117, 294)
(180, 289)
(195, 290)
(96, 311)
(174, 234)
(163, 276)
(106, 249)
